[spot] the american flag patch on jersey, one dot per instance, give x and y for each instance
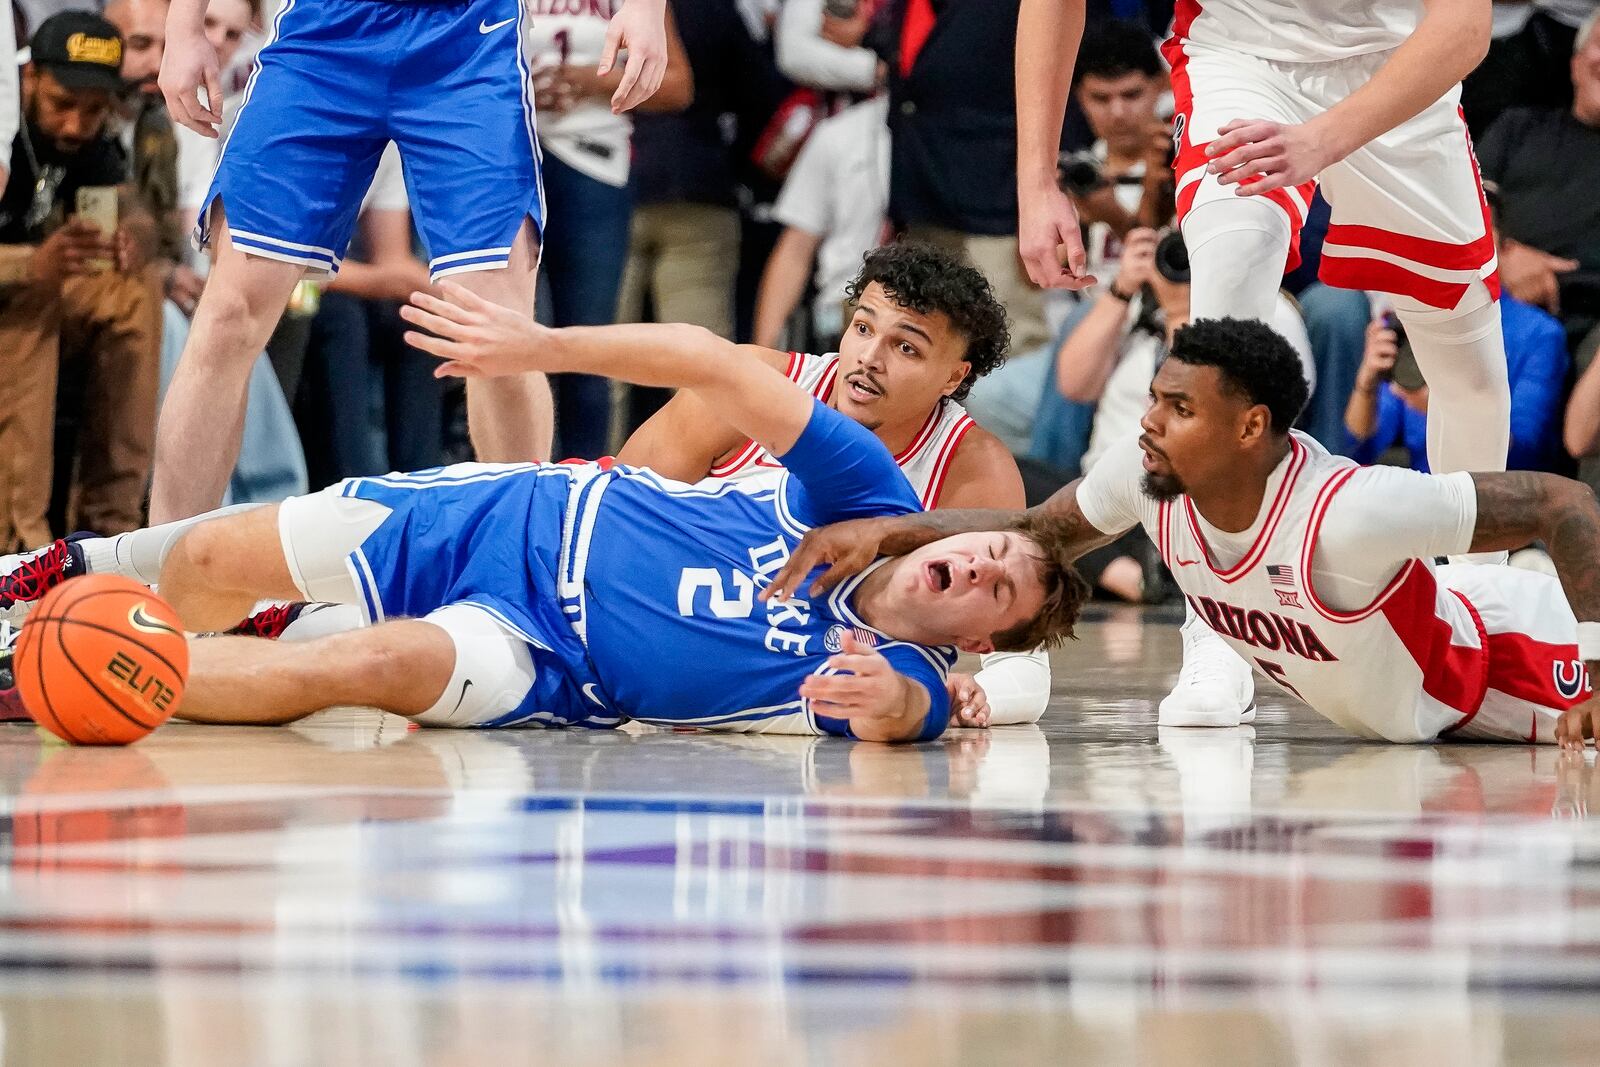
(866, 637)
(1280, 574)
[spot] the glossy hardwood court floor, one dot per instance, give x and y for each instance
(1088, 891)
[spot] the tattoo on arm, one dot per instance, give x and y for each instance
(1058, 524)
(1517, 507)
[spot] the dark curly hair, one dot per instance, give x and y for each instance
(1254, 360)
(1115, 48)
(926, 279)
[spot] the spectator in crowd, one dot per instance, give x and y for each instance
(77, 295)
(1124, 179)
(1388, 409)
(684, 243)
(586, 154)
(820, 44)
(356, 344)
(1543, 163)
(953, 154)
(1526, 66)
(10, 98)
(148, 135)
(1109, 360)
(832, 208)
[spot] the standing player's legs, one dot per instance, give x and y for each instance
(462, 117)
(202, 419)
(1238, 250)
(1409, 218)
(283, 201)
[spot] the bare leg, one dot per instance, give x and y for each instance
(511, 419)
(202, 420)
(217, 571)
(401, 667)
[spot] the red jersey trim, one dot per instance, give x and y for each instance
(1258, 547)
(941, 466)
(1308, 550)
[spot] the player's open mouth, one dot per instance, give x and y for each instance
(862, 390)
(938, 575)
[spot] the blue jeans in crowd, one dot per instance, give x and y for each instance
(271, 465)
(585, 250)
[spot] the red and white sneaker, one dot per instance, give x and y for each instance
(25, 578)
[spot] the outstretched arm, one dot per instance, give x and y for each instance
(1451, 39)
(480, 339)
(847, 548)
(1517, 507)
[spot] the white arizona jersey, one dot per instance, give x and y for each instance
(925, 461)
(1298, 31)
(588, 138)
(1487, 651)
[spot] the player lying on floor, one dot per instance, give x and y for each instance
(926, 326)
(1315, 570)
(573, 595)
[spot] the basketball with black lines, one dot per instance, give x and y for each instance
(101, 661)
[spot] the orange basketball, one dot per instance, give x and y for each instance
(101, 661)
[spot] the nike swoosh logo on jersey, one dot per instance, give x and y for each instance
(1187, 562)
(484, 27)
(588, 688)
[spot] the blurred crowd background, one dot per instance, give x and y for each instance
(790, 137)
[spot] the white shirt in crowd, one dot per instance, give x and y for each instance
(1140, 352)
(1104, 247)
(838, 189)
(588, 137)
(807, 58)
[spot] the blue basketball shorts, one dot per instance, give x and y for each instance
(445, 80)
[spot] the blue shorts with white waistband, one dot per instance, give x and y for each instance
(445, 80)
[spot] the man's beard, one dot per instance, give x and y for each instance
(1162, 487)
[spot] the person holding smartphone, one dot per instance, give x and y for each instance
(79, 325)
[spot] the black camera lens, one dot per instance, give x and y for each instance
(1172, 258)
(1080, 175)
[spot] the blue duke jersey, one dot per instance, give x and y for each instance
(637, 594)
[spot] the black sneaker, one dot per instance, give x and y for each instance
(27, 577)
(11, 709)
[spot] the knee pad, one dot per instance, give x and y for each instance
(1237, 249)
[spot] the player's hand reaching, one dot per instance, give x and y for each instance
(188, 64)
(1259, 156)
(1047, 226)
(1577, 726)
(969, 704)
(476, 338)
(846, 548)
(869, 692)
(639, 26)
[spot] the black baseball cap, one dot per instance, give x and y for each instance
(82, 51)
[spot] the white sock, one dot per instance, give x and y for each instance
(1463, 357)
(1237, 248)
(140, 554)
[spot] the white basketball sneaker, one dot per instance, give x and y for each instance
(1215, 687)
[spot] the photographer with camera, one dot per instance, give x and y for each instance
(1124, 180)
(1109, 360)
(1388, 408)
(1389, 405)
